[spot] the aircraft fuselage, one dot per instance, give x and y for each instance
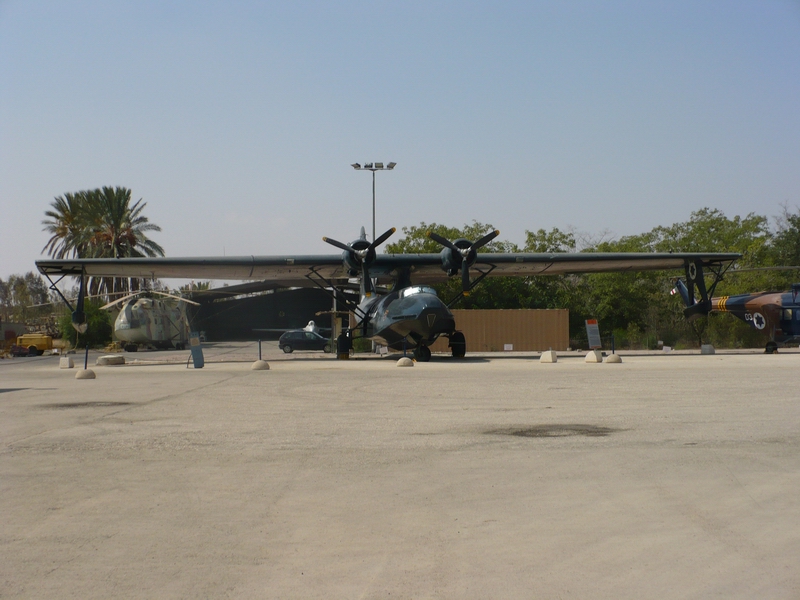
(407, 318)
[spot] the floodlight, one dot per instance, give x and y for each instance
(378, 165)
(391, 165)
(356, 166)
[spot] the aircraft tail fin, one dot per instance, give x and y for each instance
(695, 282)
(680, 288)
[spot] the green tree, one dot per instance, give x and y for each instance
(416, 240)
(554, 240)
(491, 293)
(97, 334)
(24, 298)
(642, 300)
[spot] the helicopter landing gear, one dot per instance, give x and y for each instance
(422, 353)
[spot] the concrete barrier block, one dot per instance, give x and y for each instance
(594, 356)
(548, 356)
(110, 359)
(706, 349)
(65, 362)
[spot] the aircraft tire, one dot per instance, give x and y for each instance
(771, 348)
(131, 347)
(288, 349)
(422, 353)
(458, 344)
(327, 349)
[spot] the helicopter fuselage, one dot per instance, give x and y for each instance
(151, 321)
(776, 314)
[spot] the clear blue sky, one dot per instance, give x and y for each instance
(237, 122)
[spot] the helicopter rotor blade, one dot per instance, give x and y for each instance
(118, 300)
(178, 298)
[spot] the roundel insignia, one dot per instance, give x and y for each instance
(759, 321)
(692, 271)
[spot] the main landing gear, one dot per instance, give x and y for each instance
(458, 344)
(422, 353)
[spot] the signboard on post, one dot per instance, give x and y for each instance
(593, 333)
(197, 350)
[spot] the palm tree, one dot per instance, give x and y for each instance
(117, 227)
(101, 223)
(67, 226)
(118, 230)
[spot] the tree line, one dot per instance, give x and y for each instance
(637, 308)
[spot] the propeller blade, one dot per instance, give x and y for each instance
(382, 238)
(485, 239)
(367, 282)
(465, 278)
(339, 245)
(443, 241)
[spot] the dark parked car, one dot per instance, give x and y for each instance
(303, 340)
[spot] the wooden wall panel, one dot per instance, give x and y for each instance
(524, 329)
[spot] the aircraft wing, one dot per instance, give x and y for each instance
(283, 270)
(521, 264)
(294, 271)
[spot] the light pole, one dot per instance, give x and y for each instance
(378, 166)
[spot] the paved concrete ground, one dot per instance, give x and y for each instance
(495, 477)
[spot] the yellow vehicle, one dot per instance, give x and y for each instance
(35, 342)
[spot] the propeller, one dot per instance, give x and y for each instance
(360, 252)
(465, 251)
(143, 293)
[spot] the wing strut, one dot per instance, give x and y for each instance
(695, 280)
(78, 313)
(337, 294)
(472, 285)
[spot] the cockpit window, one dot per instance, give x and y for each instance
(787, 314)
(417, 289)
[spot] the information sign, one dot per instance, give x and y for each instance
(593, 333)
(197, 350)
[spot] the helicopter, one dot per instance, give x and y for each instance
(776, 314)
(151, 318)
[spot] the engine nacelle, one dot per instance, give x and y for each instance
(451, 260)
(352, 261)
